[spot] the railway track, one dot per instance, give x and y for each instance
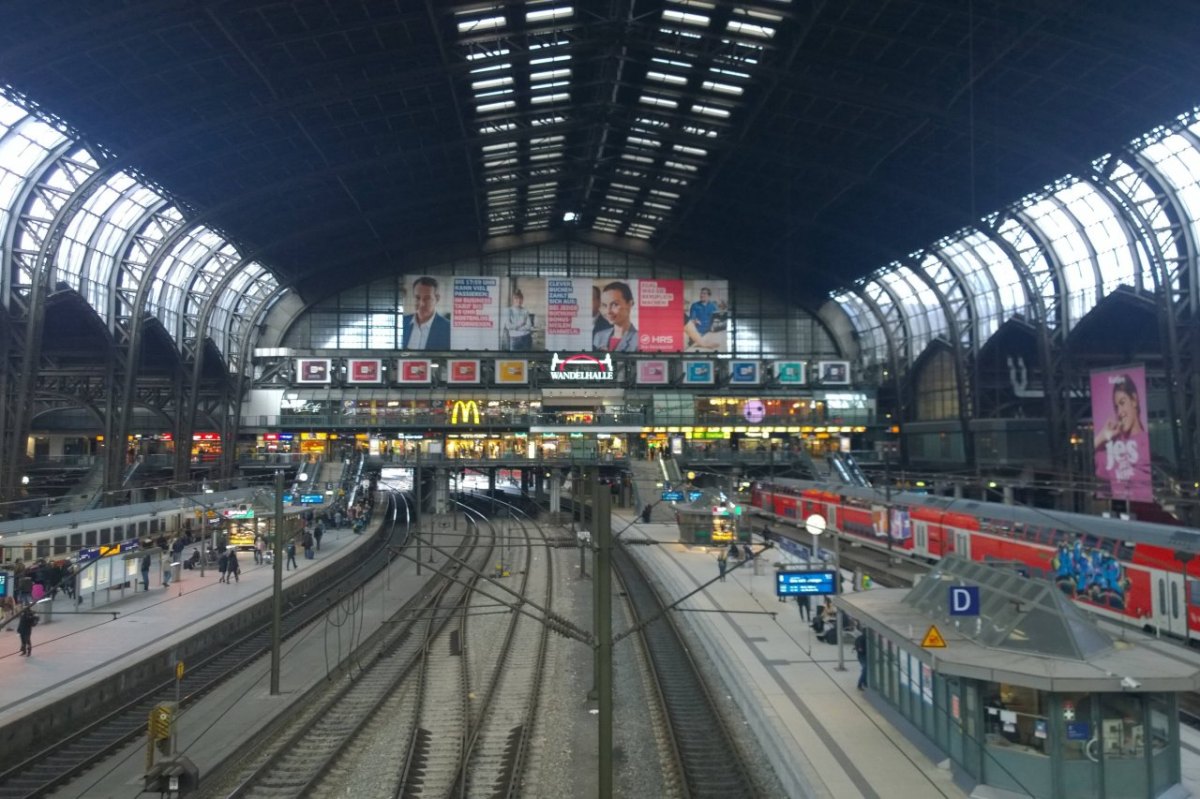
(311, 744)
(42, 772)
(709, 762)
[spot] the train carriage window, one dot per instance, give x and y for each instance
(89, 538)
(43, 548)
(105, 535)
(1194, 592)
(1162, 596)
(1174, 600)
(142, 528)
(1124, 551)
(60, 544)
(76, 541)
(153, 526)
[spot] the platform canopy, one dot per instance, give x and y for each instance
(1018, 613)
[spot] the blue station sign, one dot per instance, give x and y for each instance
(805, 583)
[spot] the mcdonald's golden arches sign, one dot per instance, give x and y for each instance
(464, 412)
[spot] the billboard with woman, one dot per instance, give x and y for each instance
(1121, 435)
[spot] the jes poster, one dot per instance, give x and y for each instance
(1121, 435)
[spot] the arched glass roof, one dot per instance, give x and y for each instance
(118, 232)
(1051, 257)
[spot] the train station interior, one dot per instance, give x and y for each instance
(926, 271)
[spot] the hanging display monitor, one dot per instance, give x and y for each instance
(312, 371)
(808, 583)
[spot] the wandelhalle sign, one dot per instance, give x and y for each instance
(581, 367)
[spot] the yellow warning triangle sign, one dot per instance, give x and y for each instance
(933, 639)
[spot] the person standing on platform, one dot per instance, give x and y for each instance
(805, 603)
(722, 563)
(223, 567)
(318, 533)
(258, 550)
(233, 568)
(291, 555)
(860, 651)
(146, 572)
(25, 626)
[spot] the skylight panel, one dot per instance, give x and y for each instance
(488, 108)
(652, 123)
(479, 55)
(747, 29)
(491, 68)
(659, 206)
(499, 163)
(497, 127)
(668, 62)
(664, 193)
(639, 141)
(482, 24)
(682, 167)
(552, 59)
(542, 99)
(757, 13)
(680, 33)
(499, 146)
(686, 18)
(637, 159)
(554, 120)
(663, 77)
(655, 100)
(708, 133)
(710, 110)
(685, 150)
(549, 14)
(550, 75)
(491, 83)
(722, 88)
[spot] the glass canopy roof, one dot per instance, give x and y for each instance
(1016, 613)
(1050, 257)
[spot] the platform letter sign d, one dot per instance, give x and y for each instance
(964, 600)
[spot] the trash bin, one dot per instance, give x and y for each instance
(45, 610)
(177, 571)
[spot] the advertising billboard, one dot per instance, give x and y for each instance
(312, 371)
(462, 371)
(414, 371)
(475, 314)
(653, 373)
(363, 370)
(512, 372)
(698, 373)
(1121, 434)
(425, 325)
(790, 373)
(744, 373)
(611, 315)
(834, 373)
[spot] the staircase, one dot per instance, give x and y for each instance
(646, 476)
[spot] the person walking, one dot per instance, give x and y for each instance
(146, 572)
(860, 650)
(232, 567)
(291, 555)
(722, 563)
(318, 534)
(223, 567)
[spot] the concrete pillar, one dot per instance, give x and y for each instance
(441, 491)
(958, 491)
(1008, 495)
(556, 483)
(539, 489)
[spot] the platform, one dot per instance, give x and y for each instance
(822, 737)
(76, 650)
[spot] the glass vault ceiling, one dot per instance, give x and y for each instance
(1049, 258)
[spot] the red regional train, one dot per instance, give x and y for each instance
(1128, 571)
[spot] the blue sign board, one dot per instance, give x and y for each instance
(312, 499)
(698, 372)
(672, 496)
(3, 584)
(1079, 731)
(809, 583)
(743, 372)
(964, 600)
(694, 495)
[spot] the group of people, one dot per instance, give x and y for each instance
(734, 553)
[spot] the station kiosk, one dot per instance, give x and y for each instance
(1019, 689)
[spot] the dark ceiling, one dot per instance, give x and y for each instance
(340, 140)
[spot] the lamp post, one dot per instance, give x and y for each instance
(277, 594)
(815, 524)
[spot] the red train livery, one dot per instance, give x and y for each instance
(1137, 572)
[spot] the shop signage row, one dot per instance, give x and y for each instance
(574, 367)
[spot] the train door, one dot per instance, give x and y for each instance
(921, 534)
(962, 543)
(1170, 605)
